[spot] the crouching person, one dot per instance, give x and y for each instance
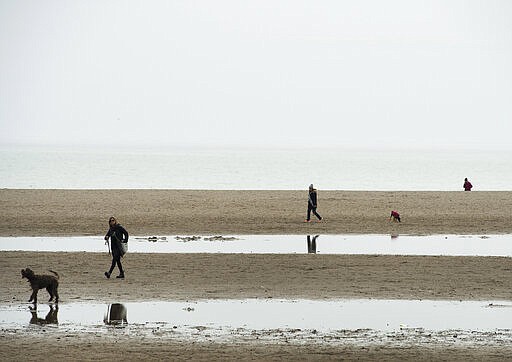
(395, 216)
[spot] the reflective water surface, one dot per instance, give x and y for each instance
(321, 315)
(361, 322)
(457, 245)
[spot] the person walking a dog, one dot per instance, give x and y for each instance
(312, 204)
(467, 185)
(117, 235)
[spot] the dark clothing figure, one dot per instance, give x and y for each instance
(117, 235)
(312, 204)
(467, 185)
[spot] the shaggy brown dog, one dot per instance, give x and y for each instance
(50, 282)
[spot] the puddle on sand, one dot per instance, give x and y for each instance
(457, 245)
(355, 319)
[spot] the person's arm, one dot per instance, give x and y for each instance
(125, 233)
(109, 232)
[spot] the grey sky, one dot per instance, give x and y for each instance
(313, 73)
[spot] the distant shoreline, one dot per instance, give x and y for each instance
(59, 212)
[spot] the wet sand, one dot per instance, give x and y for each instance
(205, 276)
(120, 347)
(218, 276)
(310, 276)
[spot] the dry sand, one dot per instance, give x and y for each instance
(204, 276)
(168, 212)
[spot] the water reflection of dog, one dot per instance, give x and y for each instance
(116, 315)
(51, 317)
(312, 244)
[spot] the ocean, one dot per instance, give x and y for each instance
(206, 168)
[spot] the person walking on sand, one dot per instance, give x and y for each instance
(312, 204)
(467, 185)
(117, 235)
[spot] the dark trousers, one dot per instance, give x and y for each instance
(116, 259)
(311, 208)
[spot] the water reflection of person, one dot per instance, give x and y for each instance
(312, 244)
(51, 316)
(116, 314)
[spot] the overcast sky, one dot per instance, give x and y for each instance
(300, 73)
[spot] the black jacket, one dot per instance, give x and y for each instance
(312, 198)
(117, 234)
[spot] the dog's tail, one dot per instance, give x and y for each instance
(54, 272)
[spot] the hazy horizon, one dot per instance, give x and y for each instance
(357, 74)
(149, 147)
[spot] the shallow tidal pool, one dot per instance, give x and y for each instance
(455, 245)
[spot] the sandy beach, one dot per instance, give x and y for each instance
(238, 276)
(171, 212)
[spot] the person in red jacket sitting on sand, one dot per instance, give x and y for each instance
(467, 185)
(395, 216)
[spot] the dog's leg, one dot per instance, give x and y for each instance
(33, 312)
(51, 317)
(53, 292)
(33, 297)
(50, 291)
